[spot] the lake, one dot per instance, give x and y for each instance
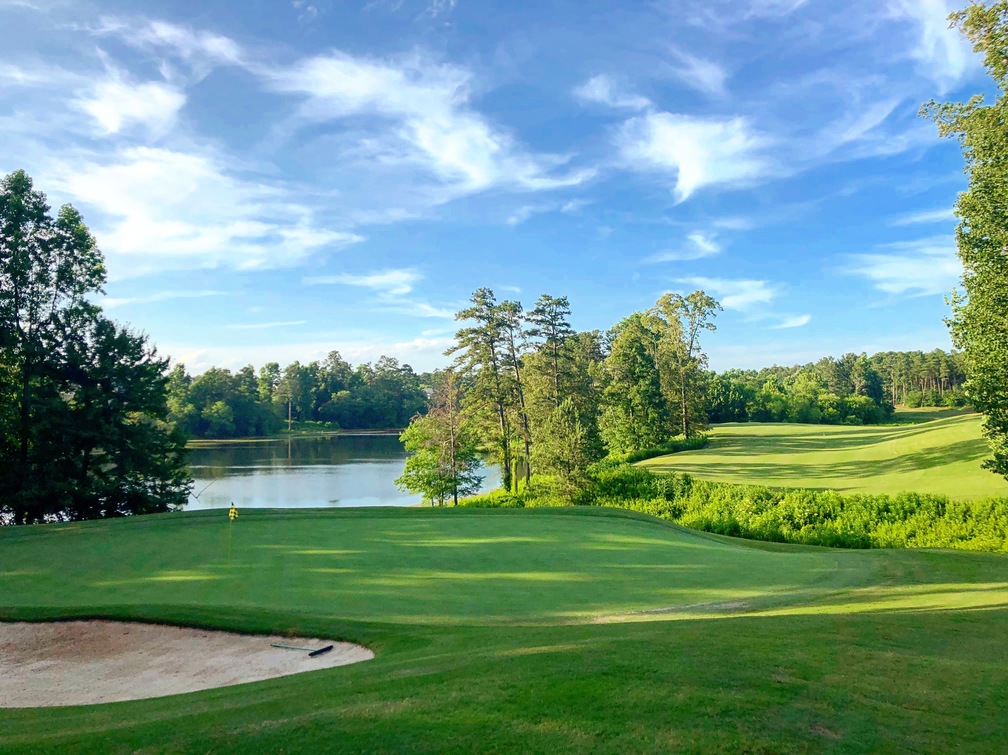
(338, 470)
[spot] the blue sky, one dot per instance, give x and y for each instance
(271, 180)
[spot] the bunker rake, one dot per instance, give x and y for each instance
(312, 652)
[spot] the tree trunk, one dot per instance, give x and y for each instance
(682, 405)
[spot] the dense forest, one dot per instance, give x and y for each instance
(334, 394)
(852, 389)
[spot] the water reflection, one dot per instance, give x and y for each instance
(341, 470)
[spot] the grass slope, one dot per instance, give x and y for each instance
(536, 631)
(941, 456)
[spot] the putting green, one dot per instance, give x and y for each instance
(941, 456)
(527, 630)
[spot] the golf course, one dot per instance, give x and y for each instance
(531, 630)
(936, 451)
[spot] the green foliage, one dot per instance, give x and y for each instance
(673, 446)
(443, 463)
(82, 430)
(482, 360)
(678, 321)
(979, 316)
(565, 447)
(852, 389)
(806, 517)
(222, 404)
(635, 414)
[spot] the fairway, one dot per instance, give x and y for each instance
(940, 456)
(538, 630)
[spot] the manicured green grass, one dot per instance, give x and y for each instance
(941, 453)
(535, 631)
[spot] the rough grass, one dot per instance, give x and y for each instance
(534, 631)
(939, 453)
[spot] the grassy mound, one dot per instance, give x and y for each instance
(535, 630)
(940, 456)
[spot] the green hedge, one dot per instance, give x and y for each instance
(810, 517)
(673, 446)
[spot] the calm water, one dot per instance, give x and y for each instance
(343, 470)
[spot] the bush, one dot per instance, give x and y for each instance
(673, 446)
(808, 517)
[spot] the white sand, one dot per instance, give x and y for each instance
(87, 662)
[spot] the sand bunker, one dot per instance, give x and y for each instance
(86, 662)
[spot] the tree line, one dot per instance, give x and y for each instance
(540, 398)
(851, 389)
(221, 404)
(84, 431)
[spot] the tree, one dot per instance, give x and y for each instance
(115, 453)
(443, 463)
(565, 447)
(513, 338)
(634, 417)
(979, 316)
(85, 400)
(549, 322)
(679, 321)
(480, 349)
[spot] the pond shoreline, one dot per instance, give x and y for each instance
(203, 442)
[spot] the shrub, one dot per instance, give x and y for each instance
(809, 517)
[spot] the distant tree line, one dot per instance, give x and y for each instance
(224, 404)
(852, 389)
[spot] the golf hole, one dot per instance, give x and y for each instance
(90, 662)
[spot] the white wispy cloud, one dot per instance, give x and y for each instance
(391, 288)
(742, 295)
(699, 151)
(764, 8)
(201, 50)
(924, 217)
(111, 302)
(306, 11)
(942, 54)
(422, 352)
(525, 212)
(705, 76)
(923, 267)
(604, 90)
(116, 102)
(700, 245)
(433, 125)
(796, 321)
(268, 325)
(418, 309)
(397, 282)
(860, 126)
(163, 209)
(17, 75)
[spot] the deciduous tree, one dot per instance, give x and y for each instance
(979, 321)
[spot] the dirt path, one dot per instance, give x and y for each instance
(87, 662)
